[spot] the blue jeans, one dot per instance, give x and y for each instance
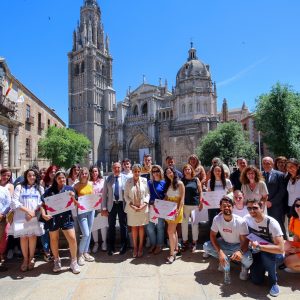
(45, 239)
(228, 249)
(85, 221)
(262, 262)
(156, 232)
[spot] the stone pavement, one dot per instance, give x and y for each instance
(122, 277)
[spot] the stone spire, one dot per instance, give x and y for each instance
(192, 53)
(225, 111)
(90, 2)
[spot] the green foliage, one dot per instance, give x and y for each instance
(227, 142)
(63, 146)
(277, 117)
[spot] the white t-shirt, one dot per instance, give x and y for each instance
(230, 231)
(219, 185)
(240, 212)
(262, 229)
(293, 191)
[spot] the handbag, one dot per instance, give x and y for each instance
(10, 217)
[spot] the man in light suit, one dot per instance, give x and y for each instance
(277, 192)
(113, 204)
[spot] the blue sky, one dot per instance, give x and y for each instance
(249, 45)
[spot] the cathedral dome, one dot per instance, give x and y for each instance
(193, 68)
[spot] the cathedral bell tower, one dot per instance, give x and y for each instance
(91, 97)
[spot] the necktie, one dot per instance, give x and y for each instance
(116, 191)
(267, 175)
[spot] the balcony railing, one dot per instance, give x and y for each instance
(7, 107)
(30, 120)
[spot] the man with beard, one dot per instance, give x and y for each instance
(233, 242)
(267, 254)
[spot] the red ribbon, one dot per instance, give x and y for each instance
(69, 202)
(98, 202)
(172, 213)
(156, 210)
(81, 207)
(48, 208)
(205, 202)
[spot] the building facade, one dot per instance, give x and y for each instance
(23, 120)
(151, 119)
(92, 99)
(154, 120)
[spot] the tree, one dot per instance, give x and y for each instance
(227, 142)
(64, 146)
(277, 117)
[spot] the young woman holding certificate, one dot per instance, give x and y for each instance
(26, 202)
(84, 187)
(63, 221)
(156, 232)
(175, 193)
(137, 198)
(98, 184)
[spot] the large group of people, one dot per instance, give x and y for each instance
(257, 223)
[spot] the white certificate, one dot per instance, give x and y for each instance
(59, 203)
(165, 209)
(153, 217)
(254, 238)
(198, 216)
(88, 203)
(212, 199)
(100, 222)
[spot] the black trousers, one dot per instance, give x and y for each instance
(117, 209)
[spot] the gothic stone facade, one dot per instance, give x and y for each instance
(91, 96)
(151, 119)
(154, 120)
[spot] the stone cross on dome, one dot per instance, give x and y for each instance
(90, 2)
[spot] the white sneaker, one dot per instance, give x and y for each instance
(75, 267)
(88, 257)
(95, 248)
(10, 254)
(244, 273)
(104, 246)
(81, 260)
(57, 266)
(205, 255)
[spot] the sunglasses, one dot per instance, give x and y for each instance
(297, 205)
(252, 208)
(155, 171)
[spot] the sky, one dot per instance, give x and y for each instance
(250, 45)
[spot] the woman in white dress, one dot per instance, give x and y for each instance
(26, 203)
(98, 184)
(137, 198)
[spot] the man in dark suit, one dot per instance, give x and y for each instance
(277, 192)
(113, 204)
(235, 176)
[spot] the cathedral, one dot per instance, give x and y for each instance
(151, 119)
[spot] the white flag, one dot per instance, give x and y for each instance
(20, 99)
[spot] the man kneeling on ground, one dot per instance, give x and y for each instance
(269, 253)
(233, 242)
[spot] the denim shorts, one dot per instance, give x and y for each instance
(62, 221)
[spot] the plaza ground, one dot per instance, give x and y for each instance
(122, 277)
